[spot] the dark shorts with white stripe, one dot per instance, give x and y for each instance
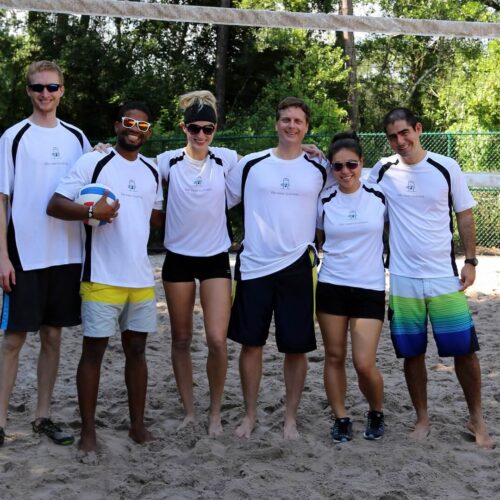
(289, 294)
(49, 296)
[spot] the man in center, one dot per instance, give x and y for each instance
(276, 267)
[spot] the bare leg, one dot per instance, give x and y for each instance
(9, 361)
(469, 376)
(216, 303)
(295, 377)
(87, 382)
(416, 380)
(250, 373)
(334, 332)
(48, 365)
(180, 302)
(365, 334)
(136, 378)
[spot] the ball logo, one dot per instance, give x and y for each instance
(131, 185)
(352, 215)
(198, 181)
(55, 152)
(286, 183)
(410, 187)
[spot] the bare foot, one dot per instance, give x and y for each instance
(421, 431)
(290, 431)
(483, 439)
(244, 430)
(188, 420)
(140, 434)
(88, 458)
(214, 426)
(88, 442)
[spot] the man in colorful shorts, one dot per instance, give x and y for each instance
(423, 189)
(40, 257)
(117, 279)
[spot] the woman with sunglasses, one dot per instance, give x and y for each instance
(351, 283)
(197, 242)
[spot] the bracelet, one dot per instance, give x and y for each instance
(90, 214)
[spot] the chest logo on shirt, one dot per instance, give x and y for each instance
(131, 185)
(352, 215)
(55, 152)
(286, 183)
(198, 181)
(410, 187)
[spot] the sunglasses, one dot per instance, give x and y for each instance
(128, 122)
(350, 164)
(194, 129)
(51, 87)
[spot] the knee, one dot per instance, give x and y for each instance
(181, 340)
(93, 352)
(13, 343)
(217, 345)
(134, 348)
(335, 358)
(364, 367)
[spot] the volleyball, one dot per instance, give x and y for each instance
(91, 194)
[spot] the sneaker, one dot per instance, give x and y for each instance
(53, 431)
(374, 425)
(2, 436)
(341, 430)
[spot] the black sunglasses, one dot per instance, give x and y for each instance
(350, 164)
(51, 87)
(194, 129)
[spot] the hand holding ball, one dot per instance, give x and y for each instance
(102, 199)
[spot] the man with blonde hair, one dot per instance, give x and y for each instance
(40, 257)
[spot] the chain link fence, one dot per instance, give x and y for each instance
(475, 152)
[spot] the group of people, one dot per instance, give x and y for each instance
(56, 272)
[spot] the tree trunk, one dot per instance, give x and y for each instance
(221, 67)
(350, 53)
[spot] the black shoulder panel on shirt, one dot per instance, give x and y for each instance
(246, 170)
(175, 160)
(100, 165)
(75, 132)
(447, 177)
(16, 141)
(216, 159)
(378, 194)
(385, 167)
(152, 169)
(320, 167)
(329, 197)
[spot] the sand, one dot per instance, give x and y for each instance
(188, 464)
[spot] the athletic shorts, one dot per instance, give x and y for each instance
(47, 296)
(184, 268)
(350, 301)
(104, 305)
(289, 294)
(412, 300)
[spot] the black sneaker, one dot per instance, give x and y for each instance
(2, 436)
(374, 425)
(53, 431)
(341, 430)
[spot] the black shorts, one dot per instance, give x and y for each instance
(288, 293)
(49, 296)
(350, 301)
(181, 268)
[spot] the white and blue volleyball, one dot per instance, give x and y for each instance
(90, 195)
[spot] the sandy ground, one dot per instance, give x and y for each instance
(189, 465)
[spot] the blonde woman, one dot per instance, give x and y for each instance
(197, 242)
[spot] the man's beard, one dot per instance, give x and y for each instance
(127, 146)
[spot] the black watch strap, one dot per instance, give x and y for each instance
(473, 261)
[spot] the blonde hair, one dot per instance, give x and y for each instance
(198, 97)
(38, 66)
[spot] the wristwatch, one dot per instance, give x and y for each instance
(90, 214)
(473, 261)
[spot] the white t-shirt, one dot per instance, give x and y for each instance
(32, 161)
(196, 219)
(353, 248)
(280, 205)
(420, 201)
(116, 254)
